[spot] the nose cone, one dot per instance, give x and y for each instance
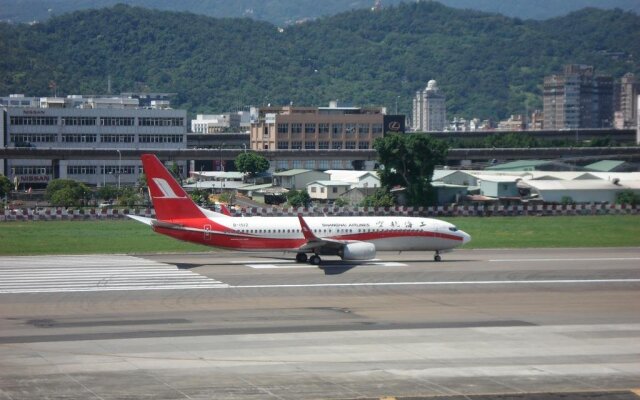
(466, 238)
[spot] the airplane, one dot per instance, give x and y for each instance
(350, 238)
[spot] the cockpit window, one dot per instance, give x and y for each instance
(453, 229)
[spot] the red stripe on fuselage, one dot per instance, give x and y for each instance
(221, 236)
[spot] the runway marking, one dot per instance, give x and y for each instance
(565, 259)
(95, 274)
(443, 283)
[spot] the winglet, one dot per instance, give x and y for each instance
(306, 231)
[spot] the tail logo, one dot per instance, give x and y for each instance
(166, 189)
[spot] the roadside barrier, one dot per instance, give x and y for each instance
(480, 210)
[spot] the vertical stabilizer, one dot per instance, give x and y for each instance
(170, 201)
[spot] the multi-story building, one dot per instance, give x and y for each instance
(512, 124)
(113, 123)
(332, 128)
(429, 109)
(629, 90)
(216, 123)
(578, 99)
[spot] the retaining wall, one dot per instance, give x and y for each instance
(442, 211)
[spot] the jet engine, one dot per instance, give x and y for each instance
(358, 251)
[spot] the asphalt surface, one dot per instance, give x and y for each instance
(483, 324)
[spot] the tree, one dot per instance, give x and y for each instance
(107, 192)
(380, 198)
(409, 161)
(628, 197)
(5, 186)
(251, 163)
(66, 192)
(129, 197)
(298, 198)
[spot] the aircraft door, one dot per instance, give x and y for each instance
(207, 232)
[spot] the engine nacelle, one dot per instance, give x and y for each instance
(358, 251)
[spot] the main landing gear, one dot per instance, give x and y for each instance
(437, 257)
(313, 260)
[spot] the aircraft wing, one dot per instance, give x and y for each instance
(314, 242)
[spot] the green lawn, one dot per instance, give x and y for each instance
(117, 236)
(565, 231)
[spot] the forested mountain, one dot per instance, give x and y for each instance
(487, 65)
(281, 12)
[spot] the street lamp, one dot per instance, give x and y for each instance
(119, 166)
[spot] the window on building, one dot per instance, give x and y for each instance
(117, 121)
(350, 145)
(376, 130)
(33, 120)
(363, 145)
(309, 164)
(309, 128)
(283, 128)
(24, 138)
(117, 138)
(160, 121)
(283, 145)
(297, 163)
(323, 164)
(80, 121)
(350, 130)
(313, 189)
(296, 145)
(363, 130)
(161, 138)
(310, 145)
(296, 128)
(323, 145)
(79, 138)
(336, 131)
(81, 169)
(323, 128)
(336, 145)
(334, 189)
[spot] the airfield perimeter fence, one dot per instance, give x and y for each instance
(480, 210)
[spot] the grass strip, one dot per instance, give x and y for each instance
(129, 237)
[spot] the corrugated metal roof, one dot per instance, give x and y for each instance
(291, 172)
(519, 165)
(604, 165)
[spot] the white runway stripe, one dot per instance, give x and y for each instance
(95, 273)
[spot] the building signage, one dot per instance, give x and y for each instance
(34, 178)
(394, 124)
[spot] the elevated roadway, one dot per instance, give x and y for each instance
(454, 157)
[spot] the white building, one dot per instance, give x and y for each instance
(429, 109)
(356, 179)
(327, 190)
(215, 123)
(100, 123)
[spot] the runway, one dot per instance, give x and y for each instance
(510, 323)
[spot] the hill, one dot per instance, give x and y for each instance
(488, 65)
(281, 12)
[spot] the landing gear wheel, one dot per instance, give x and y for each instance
(315, 259)
(301, 258)
(437, 257)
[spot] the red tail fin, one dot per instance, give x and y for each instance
(170, 201)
